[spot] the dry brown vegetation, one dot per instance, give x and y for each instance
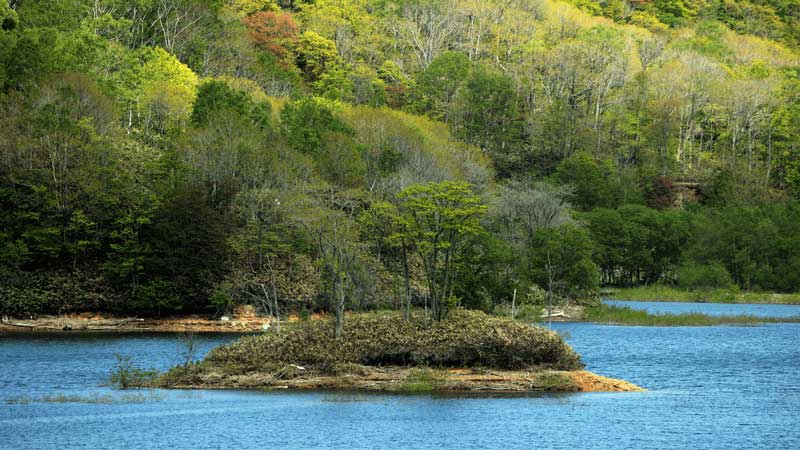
(464, 339)
(468, 351)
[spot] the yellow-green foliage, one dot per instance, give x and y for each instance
(245, 7)
(162, 66)
(424, 147)
(167, 84)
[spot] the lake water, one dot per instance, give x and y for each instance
(716, 388)
(713, 309)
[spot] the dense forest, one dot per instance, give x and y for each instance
(179, 156)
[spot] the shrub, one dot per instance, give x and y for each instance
(704, 276)
(464, 339)
(155, 296)
(222, 300)
(126, 375)
(33, 293)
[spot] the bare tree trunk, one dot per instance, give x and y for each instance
(408, 284)
(340, 302)
(513, 304)
(769, 155)
(550, 281)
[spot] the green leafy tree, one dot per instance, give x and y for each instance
(315, 54)
(8, 17)
(304, 121)
(387, 229)
(330, 218)
(440, 219)
(488, 117)
(436, 86)
(560, 261)
(187, 238)
(335, 83)
(217, 98)
(594, 182)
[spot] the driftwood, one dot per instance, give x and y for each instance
(16, 324)
(68, 325)
(504, 388)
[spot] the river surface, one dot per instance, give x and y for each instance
(724, 387)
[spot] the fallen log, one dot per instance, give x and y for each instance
(17, 324)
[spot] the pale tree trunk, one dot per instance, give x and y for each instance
(513, 304)
(340, 304)
(550, 282)
(408, 284)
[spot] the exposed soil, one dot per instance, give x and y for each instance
(591, 382)
(404, 379)
(242, 321)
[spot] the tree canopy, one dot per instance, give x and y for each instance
(192, 155)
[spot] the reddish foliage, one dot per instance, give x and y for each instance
(661, 195)
(395, 95)
(275, 32)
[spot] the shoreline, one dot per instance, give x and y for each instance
(96, 323)
(409, 380)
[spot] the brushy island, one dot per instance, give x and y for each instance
(468, 351)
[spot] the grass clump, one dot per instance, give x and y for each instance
(628, 316)
(422, 380)
(94, 398)
(20, 400)
(464, 339)
(553, 381)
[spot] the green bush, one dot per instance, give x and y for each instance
(704, 276)
(222, 300)
(464, 339)
(156, 296)
(27, 302)
(33, 293)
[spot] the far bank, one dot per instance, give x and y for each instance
(662, 293)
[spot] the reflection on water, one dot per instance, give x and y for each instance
(710, 388)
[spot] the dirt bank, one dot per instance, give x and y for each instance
(414, 380)
(243, 321)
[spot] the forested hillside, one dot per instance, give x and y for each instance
(164, 156)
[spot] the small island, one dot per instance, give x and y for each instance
(465, 352)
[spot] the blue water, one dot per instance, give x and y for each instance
(709, 388)
(713, 309)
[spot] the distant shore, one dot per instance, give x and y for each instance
(251, 323)
(91, 322)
